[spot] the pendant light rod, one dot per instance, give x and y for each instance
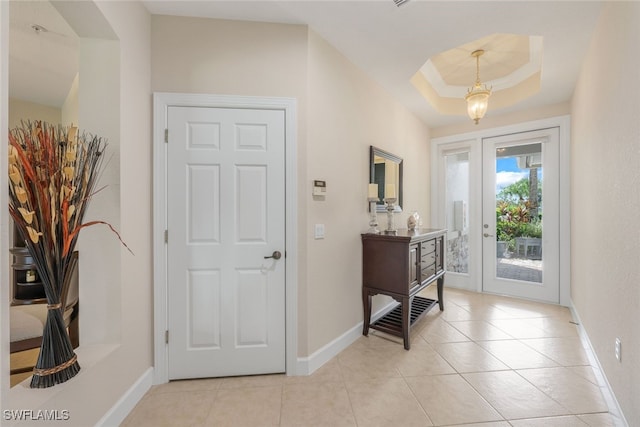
(477, 54)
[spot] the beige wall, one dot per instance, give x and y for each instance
(605, 151)
(99, 265)
(495, 119)
(70, 107)
(196, 55)
(341, 112)
(117, 371)
(348, 113)
(99, 248)
(4, 200)
(25, 110)
(201, 55)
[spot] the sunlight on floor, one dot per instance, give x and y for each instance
(485, 358)
(23, 359)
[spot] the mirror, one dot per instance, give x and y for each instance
(386, 171)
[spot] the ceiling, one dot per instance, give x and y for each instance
(392, 43)
(42, 64)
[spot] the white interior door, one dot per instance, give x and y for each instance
(521, 211)
(226, 217)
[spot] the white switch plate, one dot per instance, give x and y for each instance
(319, 231)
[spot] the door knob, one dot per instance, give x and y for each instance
(275, 255)
(487, 235)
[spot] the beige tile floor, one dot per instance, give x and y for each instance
(485, 361)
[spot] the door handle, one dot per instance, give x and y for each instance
(275, 255)
(488, 235)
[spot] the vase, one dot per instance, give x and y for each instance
(413, 221)
(57, 361)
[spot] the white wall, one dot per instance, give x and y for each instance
(605, 152)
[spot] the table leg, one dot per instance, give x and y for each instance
(406, 317)
(440, 292)
(366, 304)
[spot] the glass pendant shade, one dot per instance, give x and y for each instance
(477, 102)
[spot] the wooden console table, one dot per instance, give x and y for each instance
(400, 266)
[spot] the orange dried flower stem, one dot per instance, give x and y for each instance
(72, 235)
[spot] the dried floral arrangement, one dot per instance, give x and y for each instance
(53, 173)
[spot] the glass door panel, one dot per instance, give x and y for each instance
(519, 212)
(457, 204)
(521, 215)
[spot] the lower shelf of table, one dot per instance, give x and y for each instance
(392, 321)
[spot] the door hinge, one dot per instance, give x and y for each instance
(166, 236)
(166, 337)
(166, 135)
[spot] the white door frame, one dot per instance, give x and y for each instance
(549, 289)
(475, 215)
(161, 102)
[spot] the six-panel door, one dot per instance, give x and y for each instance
(226, 214)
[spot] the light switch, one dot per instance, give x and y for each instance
(319, 231)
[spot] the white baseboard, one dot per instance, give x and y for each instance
(605, 387)
(116, 415)
(308, 365)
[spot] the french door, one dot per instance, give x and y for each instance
(459, 189)
(520, 215)
(499, 199)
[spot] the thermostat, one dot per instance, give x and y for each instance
(319, 188)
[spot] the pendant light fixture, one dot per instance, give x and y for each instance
(478, 96)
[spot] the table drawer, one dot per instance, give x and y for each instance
(428, 246)
(427, 259)
(427, 272)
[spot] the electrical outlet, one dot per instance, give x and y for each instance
(618, 349)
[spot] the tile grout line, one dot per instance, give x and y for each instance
(570, 413)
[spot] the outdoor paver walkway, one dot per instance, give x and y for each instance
(520, 269)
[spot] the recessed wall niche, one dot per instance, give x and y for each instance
(90, 100)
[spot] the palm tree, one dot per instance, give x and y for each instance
(533, 192)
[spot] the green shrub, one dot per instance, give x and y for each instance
(513, 220)
(530, 229)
